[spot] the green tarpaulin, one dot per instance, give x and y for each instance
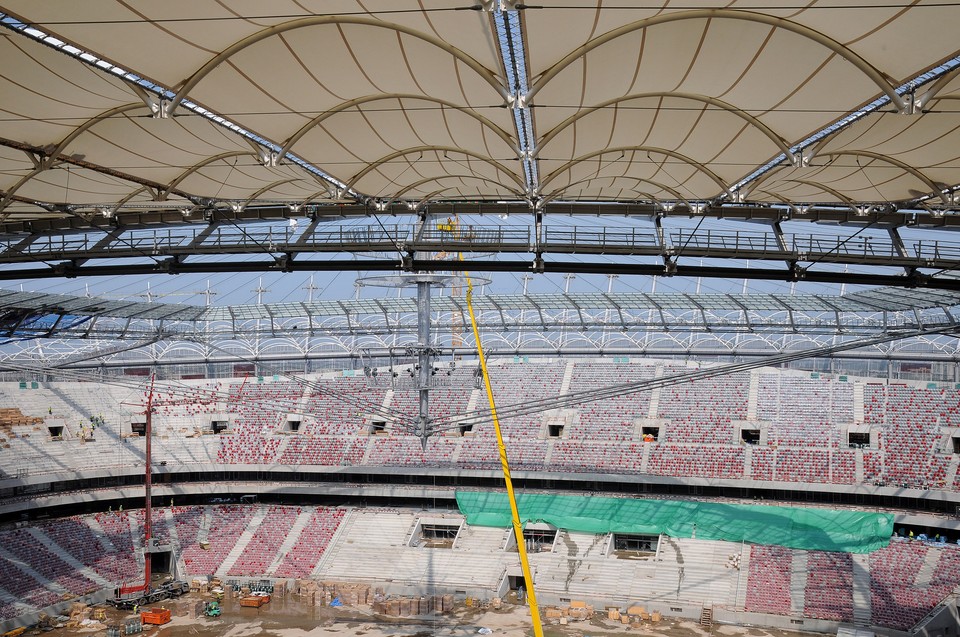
(794, 527)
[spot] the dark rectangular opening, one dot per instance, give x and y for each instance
(218, 425)
(465, 429)
(515, 582)
(56, 432)
(555, 431)
(750, 436)
(293, 425)
(628, 545)
(139, 428)
(858, 440)
(438, 536)
(956, 444)
(539, 540)
(377, 426)
(160, 562)
(650, 434)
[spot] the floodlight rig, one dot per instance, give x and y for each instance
(424, 352)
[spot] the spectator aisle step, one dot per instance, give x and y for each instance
(44, 540)
(645, 460)
(290, 540)
(171, 523)
(951, 475)
(861, 589)
(106, 543)
(180, 566)
(136, 538)
(335, 543)
(472, 402)
(798, 581)
(858, 403)
(925, 574)
(242, 542)
(747, 461)
(203, 533)
(655, 395)
(858, 466)
(567, 379)
(753, 397)
(387, 399)
(7, 556)
(740, 598)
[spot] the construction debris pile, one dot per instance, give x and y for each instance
(635, 616)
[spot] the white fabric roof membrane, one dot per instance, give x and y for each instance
(404, 100)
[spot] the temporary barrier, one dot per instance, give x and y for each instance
(793, 527)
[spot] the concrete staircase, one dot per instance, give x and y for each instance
(861, 589)
(925, 574)
(292, 536)
(242, 542)
(567, 379)
(105, 542)
(740, 600)
(333, 547)
(753, 397)
(858, 402)
(951, 476)
(798, 581)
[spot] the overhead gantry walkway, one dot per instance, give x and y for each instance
(538, 247)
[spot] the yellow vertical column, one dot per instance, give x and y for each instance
(515, 513)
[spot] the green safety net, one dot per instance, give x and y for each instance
(793, 527)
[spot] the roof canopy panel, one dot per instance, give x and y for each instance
(413, 101)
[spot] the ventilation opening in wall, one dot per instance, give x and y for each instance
(56, 432)
(750, 436)
(651, 434)
(377, 427)
(218, 425)
(629, 546)
(138, 428)
(858, 439)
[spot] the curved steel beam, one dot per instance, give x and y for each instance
(269, 187)
(400, 193)
(422, 149)
(240, 45)
(748, 16)
(499, 132)
(726, 106)
(209, 160)
(934, 188)
(836, 193)
(51, 157)
(931, 93)
(672, 191)
(648, 149)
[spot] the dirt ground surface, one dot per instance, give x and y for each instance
(287, 617)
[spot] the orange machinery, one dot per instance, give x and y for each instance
(253, 601)
(156, 616)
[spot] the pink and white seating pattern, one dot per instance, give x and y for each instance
(301, 559)
(829, 590)
(262, 549)
(768, 586)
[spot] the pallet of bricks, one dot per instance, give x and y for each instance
(411, 606)
(324, 593)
